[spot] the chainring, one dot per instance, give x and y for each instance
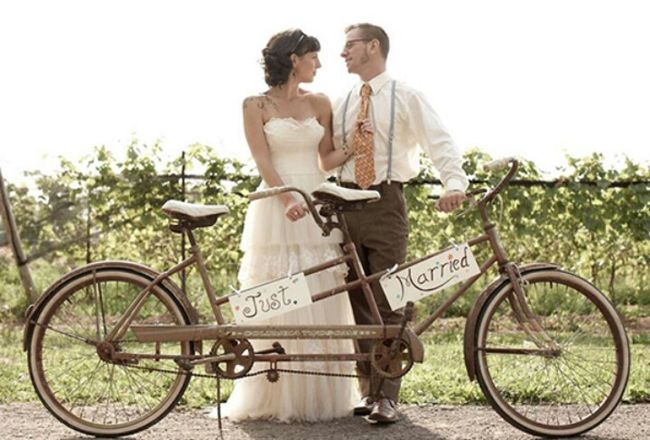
(391, 358)
(237, 367)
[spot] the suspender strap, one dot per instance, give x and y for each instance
(391, 132)
(345, 111)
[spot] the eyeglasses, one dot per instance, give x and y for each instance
(350, 43)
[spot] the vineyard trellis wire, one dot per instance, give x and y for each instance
(526, 183)
(108, 203)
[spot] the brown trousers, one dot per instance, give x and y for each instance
(380, 233)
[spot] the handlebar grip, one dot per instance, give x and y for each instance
(498, 164)
(267, 192)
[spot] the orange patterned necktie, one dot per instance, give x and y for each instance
(362, 144)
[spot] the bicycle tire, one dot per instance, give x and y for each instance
(563, 386)
(80, 389)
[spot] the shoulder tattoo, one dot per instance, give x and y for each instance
(262, 102)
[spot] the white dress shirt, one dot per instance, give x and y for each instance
(416, 124)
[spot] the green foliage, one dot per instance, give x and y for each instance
(116, 203)
(599, 232)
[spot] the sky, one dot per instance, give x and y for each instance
(535, 79)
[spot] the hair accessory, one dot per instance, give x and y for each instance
(302, 37)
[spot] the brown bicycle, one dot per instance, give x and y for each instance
(112, 346)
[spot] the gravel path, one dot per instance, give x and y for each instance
(32, 421)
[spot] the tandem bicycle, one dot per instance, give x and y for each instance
(112, 346)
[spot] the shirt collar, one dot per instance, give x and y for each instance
(378, 82)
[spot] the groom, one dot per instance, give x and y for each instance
(384, 160)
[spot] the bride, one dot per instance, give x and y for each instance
(288, 130)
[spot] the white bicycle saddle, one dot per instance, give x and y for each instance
(176, 208)
(347, 194)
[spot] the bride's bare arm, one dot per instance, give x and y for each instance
(329, 157)
(254, 131)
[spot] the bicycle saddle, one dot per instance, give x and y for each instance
(342, 196)
(195, 215)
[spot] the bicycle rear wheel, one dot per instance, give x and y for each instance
(76, 385)
(561, 371)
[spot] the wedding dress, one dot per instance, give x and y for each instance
(274, 247)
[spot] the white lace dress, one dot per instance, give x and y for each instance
(274, 246)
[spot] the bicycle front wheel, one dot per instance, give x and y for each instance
(554, 363)
(76, 384)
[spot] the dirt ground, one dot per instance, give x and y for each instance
(32, 421)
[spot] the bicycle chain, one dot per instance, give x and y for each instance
(215, 376)
(256, 373)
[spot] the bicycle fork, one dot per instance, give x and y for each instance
(525, 317)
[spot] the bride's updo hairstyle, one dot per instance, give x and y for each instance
(276, 56)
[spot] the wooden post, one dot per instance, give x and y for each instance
(183, 245)
(14, 243)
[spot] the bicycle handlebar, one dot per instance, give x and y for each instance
(281, 189)
(494, 165)
(268, 192)
(471, 193)
(498, 165)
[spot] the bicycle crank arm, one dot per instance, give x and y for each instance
(277, 349)
(221, 358)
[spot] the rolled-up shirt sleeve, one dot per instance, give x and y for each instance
(429, 133)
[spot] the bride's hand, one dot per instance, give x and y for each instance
(295, 211)
(366, 126)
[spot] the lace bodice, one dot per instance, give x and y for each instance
(294, 144)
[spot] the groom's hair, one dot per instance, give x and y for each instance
(373, 32)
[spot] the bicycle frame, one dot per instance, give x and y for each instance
(198, 332)
(378, 330)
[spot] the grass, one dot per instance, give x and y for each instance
(441, 379)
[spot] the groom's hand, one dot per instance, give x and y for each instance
(450, 200)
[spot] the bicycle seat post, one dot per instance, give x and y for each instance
(195, 250)
(355, 265)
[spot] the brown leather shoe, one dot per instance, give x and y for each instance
(384, 411)
(364, 407)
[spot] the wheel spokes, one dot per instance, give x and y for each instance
(565, 381)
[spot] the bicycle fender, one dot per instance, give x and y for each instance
(470, 325)
(33, 311)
